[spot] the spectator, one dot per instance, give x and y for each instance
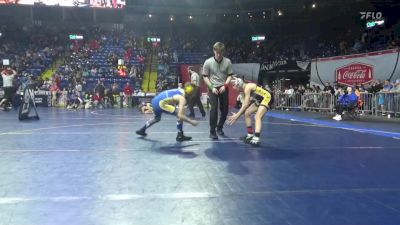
(382, 97)
(55, 91)
(128, 90)
(8, 76)
(358, 45)
(329, 89)
(396, 87)
(195, 80)
(100, 88)
(98, 100)
(347, 100)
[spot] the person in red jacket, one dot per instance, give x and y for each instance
(128, 90)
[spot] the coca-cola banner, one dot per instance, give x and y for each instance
(356, 69)
(354, 73)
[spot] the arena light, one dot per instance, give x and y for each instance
(280, 13)
(257, 38)
(171, 18)
(75, 37)
(190, 17)
(371, 24)
(237, 15)
(152, 39)
(150, 15)
(6, 62)
(314, 5)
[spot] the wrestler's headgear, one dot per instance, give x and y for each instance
(237, 82)
(189, 89)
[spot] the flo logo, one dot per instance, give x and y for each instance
(371, 15)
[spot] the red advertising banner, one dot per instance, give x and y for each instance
(355, 73)
(357, 68)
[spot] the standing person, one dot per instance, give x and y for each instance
(8, 76)
(259, 105)
(128, 91)
(217, 73)
(100, 88)
(55, 91)
(195, 80)
(171, 102)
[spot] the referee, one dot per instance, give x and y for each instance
(217, 74)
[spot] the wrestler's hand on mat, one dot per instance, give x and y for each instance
(221, 89)
(232, 119)
(215, 91)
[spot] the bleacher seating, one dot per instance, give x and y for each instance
(100, 60)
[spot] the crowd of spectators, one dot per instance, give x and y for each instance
(31, 50)
(240, 49)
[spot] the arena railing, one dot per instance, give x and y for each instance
(369, 104)
(387, 103)
(318, 101)
(287, 101)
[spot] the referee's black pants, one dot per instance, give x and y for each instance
(221, 100)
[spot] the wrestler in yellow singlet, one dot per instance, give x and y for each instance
(261, 97)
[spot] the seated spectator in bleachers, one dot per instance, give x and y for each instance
(347, 101)
(88, 101)
(62, 100)
(358, 46)
(93, 71)
(75, 101)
